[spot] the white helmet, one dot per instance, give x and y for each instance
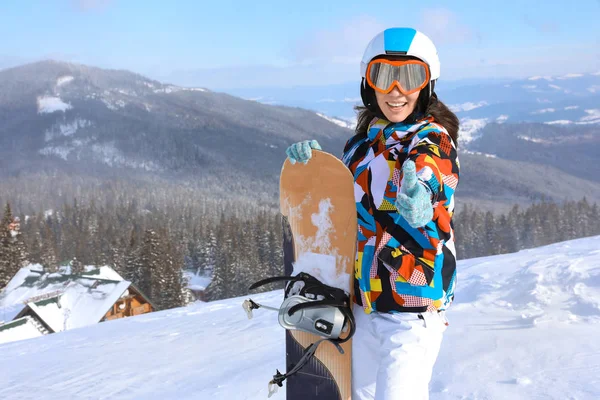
(402, 42)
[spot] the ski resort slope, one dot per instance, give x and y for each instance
(523, 326)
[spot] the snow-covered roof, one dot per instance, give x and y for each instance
(83, 302)
(31, 282)
(60, 300)
(8, 313)
(19, 329)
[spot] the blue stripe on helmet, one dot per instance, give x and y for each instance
(398, 39)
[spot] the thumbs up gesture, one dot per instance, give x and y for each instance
(413, 200)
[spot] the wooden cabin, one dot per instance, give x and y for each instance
(129, 304)
(57, 302)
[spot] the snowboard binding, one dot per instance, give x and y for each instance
(309, 306)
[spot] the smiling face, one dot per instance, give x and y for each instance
(396, 106)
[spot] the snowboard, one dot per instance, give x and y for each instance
(319, 237)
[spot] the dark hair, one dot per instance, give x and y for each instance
(430, 104)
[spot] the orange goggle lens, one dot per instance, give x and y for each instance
(409, 76)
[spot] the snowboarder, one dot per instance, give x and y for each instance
(404, 160)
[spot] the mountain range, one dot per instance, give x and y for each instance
(568, 99)
(83, 121)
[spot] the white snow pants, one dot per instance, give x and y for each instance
(393, 354)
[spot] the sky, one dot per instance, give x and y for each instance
(230, 44)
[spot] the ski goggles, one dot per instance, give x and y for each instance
(409, 76)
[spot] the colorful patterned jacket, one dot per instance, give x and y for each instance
(399, 268)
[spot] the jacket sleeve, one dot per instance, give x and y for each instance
(436, 162)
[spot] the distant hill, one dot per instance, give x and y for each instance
(87, 124)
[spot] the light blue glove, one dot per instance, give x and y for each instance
(414, 199)
(302, 151)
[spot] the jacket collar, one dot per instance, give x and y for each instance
(393, 132)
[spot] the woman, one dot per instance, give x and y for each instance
(405, 166)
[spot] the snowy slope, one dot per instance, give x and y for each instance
(524, 326)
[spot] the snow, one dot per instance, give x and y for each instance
(63, 80)
(197, 282)
(113, 104)
(467, 106)
(66, 129)
(337, 121)
(21, 329)
(174, 89)
(50, 104)
(478, 153)
(316, 255)
(322, 267)
(8, 313)
(62, 302)
(523, 326)
(127, 92)
(109, 154)
(60, 151)
(83, 302)
(322, 221)
(18, 292)
(103, 272)
(534, 140)
(195, 89)
(469, 127)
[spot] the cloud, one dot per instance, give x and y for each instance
(344, 44)
(91, 5)
(443, 27)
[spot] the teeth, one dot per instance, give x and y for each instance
(396, 104)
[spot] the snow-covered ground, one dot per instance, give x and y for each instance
(470, 128)
(340, 122)
(50, 104)
(523, 326)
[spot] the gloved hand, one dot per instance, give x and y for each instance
(414, 199)
(302, 151)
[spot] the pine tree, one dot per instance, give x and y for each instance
(48, 253)
(222, 275)
(7, 218)
(132, 268)
(147, 276)
(13, 250)
(6, 267)
(76, 266)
